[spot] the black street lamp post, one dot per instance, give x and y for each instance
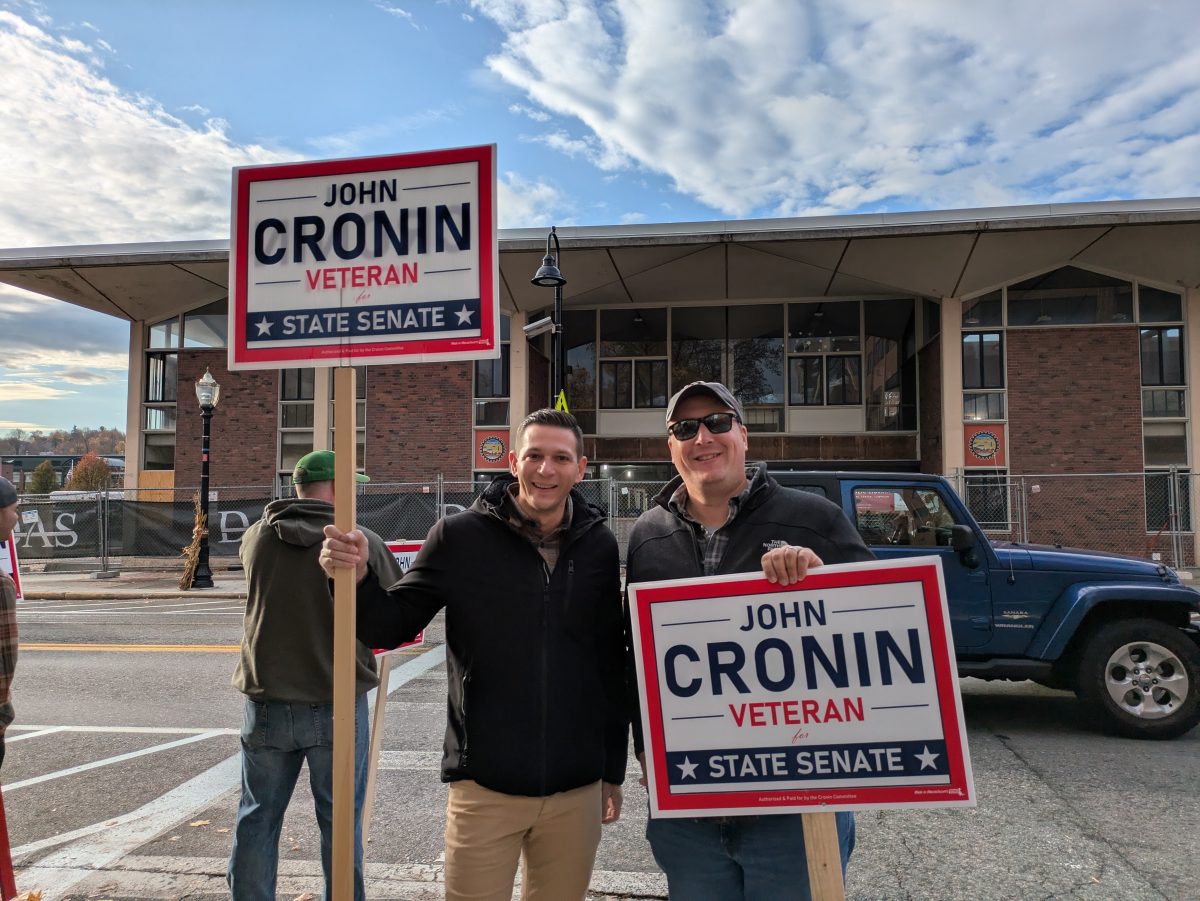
(208, 392)
(549, 276)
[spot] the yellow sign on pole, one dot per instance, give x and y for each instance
(560, 402)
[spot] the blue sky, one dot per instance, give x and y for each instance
(120, 121)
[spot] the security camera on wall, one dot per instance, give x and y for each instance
(541, 327)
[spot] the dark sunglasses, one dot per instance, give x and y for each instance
(716, 423)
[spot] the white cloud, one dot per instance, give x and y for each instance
(11, 391)
(632, 218)
(399, 13)
(760, 107)
(536, 115)
(87, 163)
(525, 204)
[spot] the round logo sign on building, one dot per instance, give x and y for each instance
(492, 448)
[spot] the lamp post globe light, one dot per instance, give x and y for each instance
(549, 276)
(208, 392)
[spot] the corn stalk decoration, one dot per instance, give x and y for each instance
(191, 553)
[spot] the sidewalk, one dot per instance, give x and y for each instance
(159, 583)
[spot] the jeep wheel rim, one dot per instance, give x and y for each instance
(1146, 680)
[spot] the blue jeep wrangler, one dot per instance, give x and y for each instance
(1120, 632)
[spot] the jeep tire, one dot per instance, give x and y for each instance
(1141, 678)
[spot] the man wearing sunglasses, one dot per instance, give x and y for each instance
(718, 517)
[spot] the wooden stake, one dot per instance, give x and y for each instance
(344, 516)
(377, 723)
(824, 856)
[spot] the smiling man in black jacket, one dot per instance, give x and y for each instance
(715, 518)
(536, 734)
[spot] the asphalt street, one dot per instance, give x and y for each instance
(121, 778)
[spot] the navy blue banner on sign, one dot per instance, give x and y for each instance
(428, 318)
(803, 763)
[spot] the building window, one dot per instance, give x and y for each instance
(820, 372)
(890, 364)
(983, 359)
(756, 345)
(633, 359)
(160, 394)
(697, 345)
(295, 418)
(207, 326)
(1162, 355)
(360, 417)
(200, 328)
(1070, 296)
(984, 311)
(492, 382)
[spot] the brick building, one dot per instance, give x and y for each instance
(996, 342)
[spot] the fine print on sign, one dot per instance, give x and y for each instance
(404, 552)
(837, 693)
(374, 260)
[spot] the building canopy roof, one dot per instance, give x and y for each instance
(946, 253)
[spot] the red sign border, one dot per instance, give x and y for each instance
(958, 792)
(486, 345)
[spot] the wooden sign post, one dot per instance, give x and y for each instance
(824, 856)
(337, 263)
(344, 623)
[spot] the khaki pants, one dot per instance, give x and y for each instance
(487, 832)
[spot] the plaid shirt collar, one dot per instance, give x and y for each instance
(711, 544)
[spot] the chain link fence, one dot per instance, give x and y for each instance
(1142, 514)
(1147, 515)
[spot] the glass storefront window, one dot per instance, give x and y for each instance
(579, 333)
(697, 345)
(819, 327)
(633, 333)
(207, 326)
(1159, 306)
(165, 333)
(1070, 296)
(890, 364)
(983, 311)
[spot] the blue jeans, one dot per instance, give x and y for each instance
(754, 858)
(277, 738)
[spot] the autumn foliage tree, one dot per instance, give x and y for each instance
(90, 474)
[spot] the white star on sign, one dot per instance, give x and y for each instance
(689, 769)
(464, 315)
(927, 759)
(264, 327)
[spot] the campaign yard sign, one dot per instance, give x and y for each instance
(382, 259)
(836, 693)
(8, 562)
(405, 553)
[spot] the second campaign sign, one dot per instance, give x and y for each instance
(374, 260)
(836, 693)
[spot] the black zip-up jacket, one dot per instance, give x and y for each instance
(534, 659)
(663, 546)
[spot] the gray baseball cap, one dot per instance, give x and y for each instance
(712, 389)
(8, 494)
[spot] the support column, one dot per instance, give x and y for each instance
(133, 404)
(322, 395)
(518, 371)
(953, 455)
